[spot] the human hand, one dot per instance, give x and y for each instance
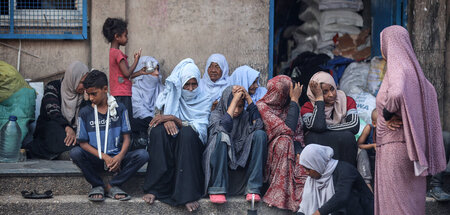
(394, 123)
(214, 104)
(316, 213)
(295, 91)
(171, 128)
(137, 55)
(70, 137)
(159, 119)
(115, 163)
(107, 159)
(316, 89)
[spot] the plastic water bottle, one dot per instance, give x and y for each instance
(10, 136)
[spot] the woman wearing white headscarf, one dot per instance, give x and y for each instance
(332, 186)
(177, 138)
(248, 78)
(215, 78)
(56, 125)
(145, 90)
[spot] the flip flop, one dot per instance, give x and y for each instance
(117, 191)
(96, 191)
(35, 195)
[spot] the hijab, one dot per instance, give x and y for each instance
(317, 191)
(416, 100)
(214, 89)
(339, 109)
(245, 76)
(145, 90)
(191, 106)
(70, 99)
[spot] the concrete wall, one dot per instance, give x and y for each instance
(169, 30)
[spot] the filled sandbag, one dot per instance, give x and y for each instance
(342, 17)
(354, 5)
(354, 79)
(376, 75)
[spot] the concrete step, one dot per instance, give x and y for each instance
(70, 194)
(62, 177)
(78, 204)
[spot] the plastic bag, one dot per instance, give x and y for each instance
(10, 81)
(354, 79)
(376, 75)
(365, 103)
(310, 14)
(21, 104)
(354, 5)
(310, 28)
(342, 17)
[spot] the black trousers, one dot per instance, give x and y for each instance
(174, 172)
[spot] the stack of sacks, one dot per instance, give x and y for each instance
(338, 17)
(307, 35)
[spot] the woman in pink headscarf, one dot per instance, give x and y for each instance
(409, 137)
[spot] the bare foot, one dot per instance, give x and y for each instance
(192, 206)
(149, 198)
(97, 196)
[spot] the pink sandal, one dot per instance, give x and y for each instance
(217, 198)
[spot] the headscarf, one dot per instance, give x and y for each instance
(317, 191)
(145, 90)
(339, 109)
(191, 106)
(245, 76)
(214, 89)
(274, 107)
(415, 97)
(70, 99)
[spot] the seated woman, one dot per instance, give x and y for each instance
(56, 124)
(215, 78)
(248, 78)
(280, 113)
(236, 145)
(176, 143)
(146, 89)
(333, 187)
(330, 118)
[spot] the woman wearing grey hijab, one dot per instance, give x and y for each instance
(56, 124)
(237, 146)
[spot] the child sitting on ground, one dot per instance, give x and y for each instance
(367, 141)
(108, 150)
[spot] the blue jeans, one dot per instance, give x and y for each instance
(256, 161)
(91, 166)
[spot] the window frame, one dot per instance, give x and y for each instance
(15, 20)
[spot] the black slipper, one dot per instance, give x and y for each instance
(35, 195)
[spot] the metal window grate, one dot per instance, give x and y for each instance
(43, 19)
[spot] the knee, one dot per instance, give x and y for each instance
(141, 155)
(76, 153)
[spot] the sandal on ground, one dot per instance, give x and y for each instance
(96, 191)
(217, 198)
(249, 197)
(35, 195)
(117, 191)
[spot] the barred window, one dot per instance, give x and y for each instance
(43, 19)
